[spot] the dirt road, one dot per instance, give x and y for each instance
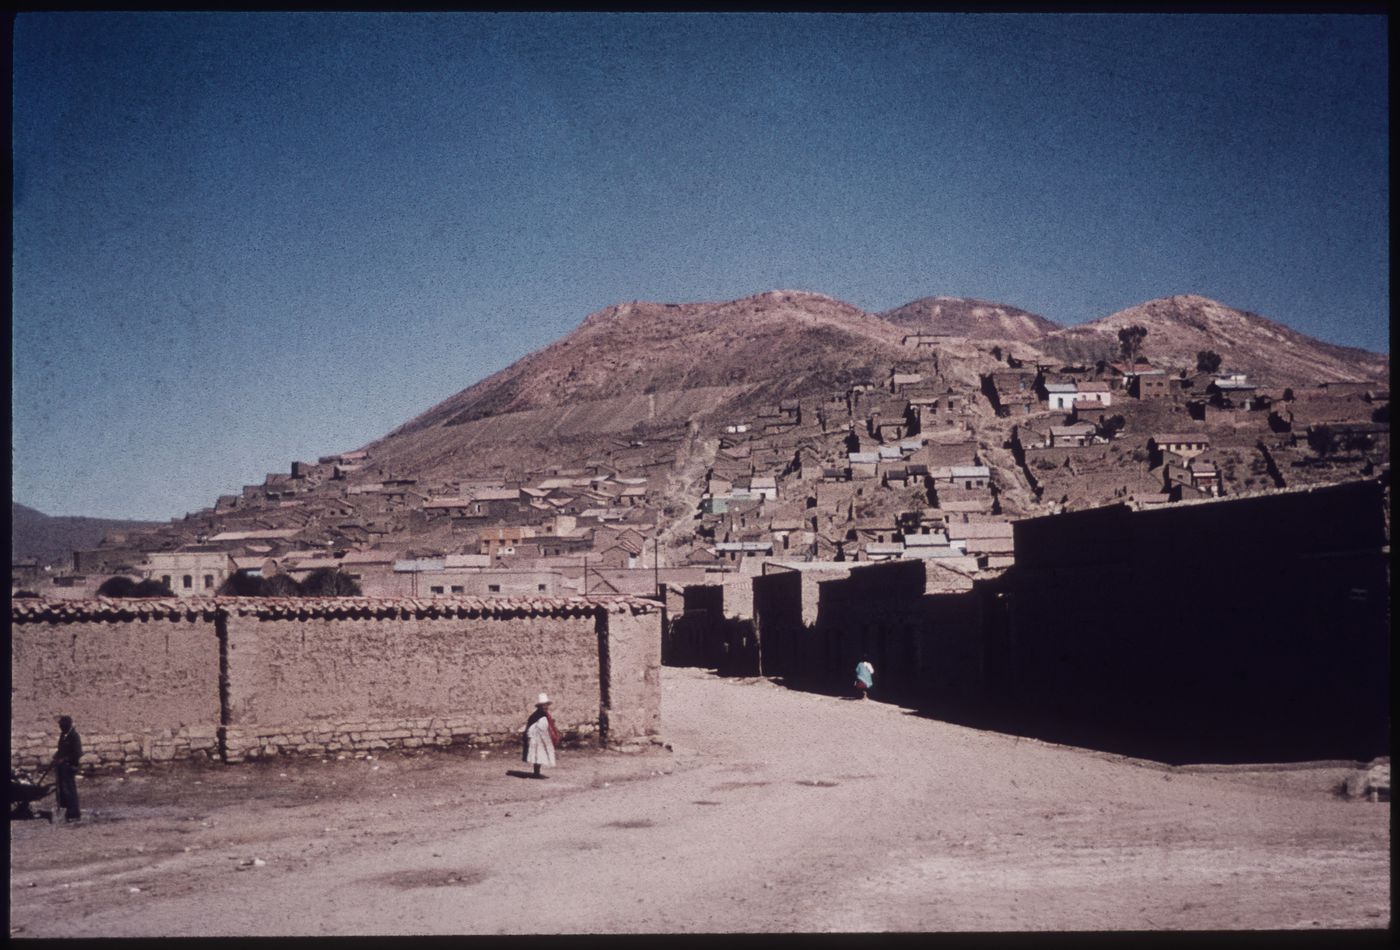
(775, 811)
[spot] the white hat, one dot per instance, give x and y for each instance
(544, 698)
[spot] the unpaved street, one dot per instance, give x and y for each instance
(775, 811)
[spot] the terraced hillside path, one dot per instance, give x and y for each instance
(774, 811)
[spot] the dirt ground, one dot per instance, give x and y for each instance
(773, 811)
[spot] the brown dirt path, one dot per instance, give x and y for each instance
(777, 811)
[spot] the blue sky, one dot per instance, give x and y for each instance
(243, 239)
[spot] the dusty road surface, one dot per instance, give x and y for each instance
(775, 811)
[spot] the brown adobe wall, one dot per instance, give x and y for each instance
(242, 678)
(335, 684)
(631, 644)
(140, 687)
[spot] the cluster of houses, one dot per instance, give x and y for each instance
(1180, 430)
(872, 473)
(878, 470)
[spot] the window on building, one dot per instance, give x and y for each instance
(187, 582)
(165, 579)
(436, 589)
(539, 587)
(208, 581)
(457, 589)
(494, 588)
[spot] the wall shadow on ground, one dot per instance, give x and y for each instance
(1250, 630)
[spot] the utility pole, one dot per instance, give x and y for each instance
(656, 565)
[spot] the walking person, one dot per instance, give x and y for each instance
(65, 765)
(865, 677)
(540, 736)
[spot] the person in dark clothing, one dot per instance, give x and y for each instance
(65, 765)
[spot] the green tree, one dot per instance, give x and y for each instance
(329, 582)
(239, 584)
(122, 586)
(280, 585)
(118, 586)
(1112, 425)
(1130, 342)
(1320, 440)
(1207, 361)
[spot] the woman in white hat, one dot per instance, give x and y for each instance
(540, 736)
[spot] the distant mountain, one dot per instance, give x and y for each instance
(54, 539)
(1180, 327)
(966, 317)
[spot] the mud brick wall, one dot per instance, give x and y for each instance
(632, 694)
(140, 684)
(240, 678)
(333, 684)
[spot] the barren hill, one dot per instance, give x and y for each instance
(655, 364)
(53, 539)
(656, 393)
(966, 317)
(1180, 327)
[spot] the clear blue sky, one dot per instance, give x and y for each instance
(243, 239)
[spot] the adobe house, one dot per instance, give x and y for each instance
(1089, 410)
(1010, 393)
(190, 571)
(1185, 444)
(1095, 389)
(1079, 434)
(1155, 385)
(1060, 396)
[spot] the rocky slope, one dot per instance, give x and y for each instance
(1180, 327)
(974, 319)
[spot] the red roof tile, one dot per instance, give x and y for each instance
(35, 610)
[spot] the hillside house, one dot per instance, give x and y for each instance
(734, 551)
(906, 476)
(1154, 385)
(1079, 434)
(921, 545)
(1010, 393)
(1185, 444)
(1095, 389)
(920, 521)
(1232, 392)
(981, 536)
(889, 430)
(862, 464)
(964, 477)
(882, 551)
(501, 540)
(1089, 411)
(974, 510)
(1193, 479)
(1060, 396)
(900, 382)
(1121, 376)
(786, 533)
